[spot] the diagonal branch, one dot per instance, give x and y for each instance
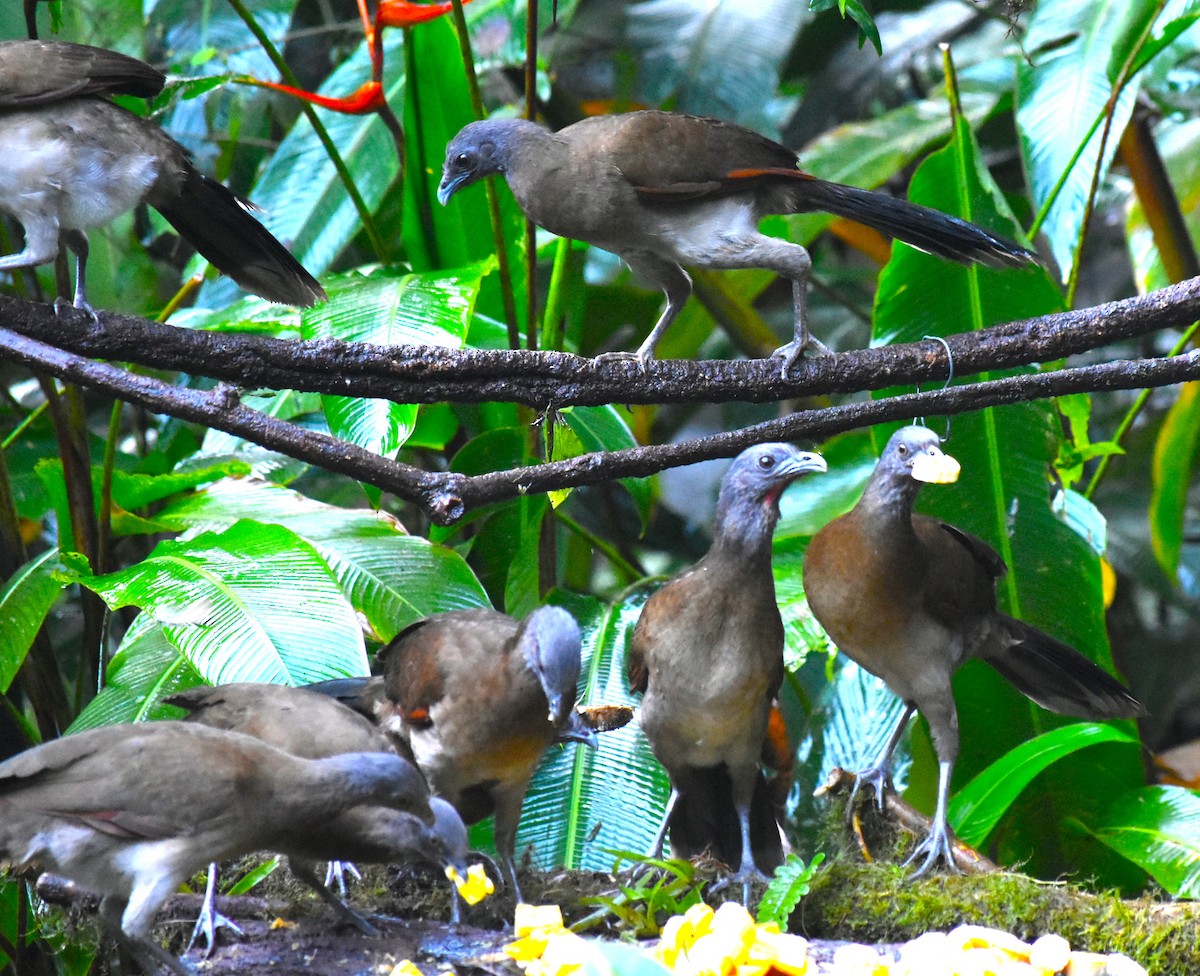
(448, 496)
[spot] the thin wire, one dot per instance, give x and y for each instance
(949, 379)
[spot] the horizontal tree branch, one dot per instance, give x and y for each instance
(448, 496)
(430, 374)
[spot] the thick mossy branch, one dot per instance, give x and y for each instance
(875, 903)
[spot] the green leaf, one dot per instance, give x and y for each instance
(146, 668)
(1063, 90)
(228, 601)
(617, 792)
(302, 198)
(604, 428)
(388, 309)
(1170, 477)
(978, 806)
(25, 599)
(1158, 828)
(789, 884)
(391, 578)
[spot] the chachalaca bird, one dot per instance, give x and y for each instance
(311, 725)
(707, 655)
(74, 161)
(910, 597)
(130, 812)
(479, 697)
(663, 191)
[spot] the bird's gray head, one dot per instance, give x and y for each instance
(551, 643)
(916, 452)
(383, 778)
(759, 474)
(480, 149)
(449, 835)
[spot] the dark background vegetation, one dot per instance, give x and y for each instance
(144, 552)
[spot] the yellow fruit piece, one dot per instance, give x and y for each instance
(527, 948)
(1049, 953)
(565, 953)
(406, 967)
(981, 937)
(1087, 964)
(282, 923)
(475, 887)
(786, 954)
(531, 918)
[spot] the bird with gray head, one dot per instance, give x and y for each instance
(707, 656)
(479, 697)
(74, 161)
(665, 191)
(130, 812)
(910, 597)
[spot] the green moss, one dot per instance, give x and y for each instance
(876, 903)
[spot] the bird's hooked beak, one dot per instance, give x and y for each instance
(935, 468)
(450, 185)
(803, 462)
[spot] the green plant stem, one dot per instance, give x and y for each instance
(623, 566)
(104, 523)
(1132, 414)
(493, 198)
(553, 324)
(531, 45)
(364, 214)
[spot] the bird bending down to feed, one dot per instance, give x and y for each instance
(910, 597)
(664, 191)
(311, 725)
(480, 697)
(74, 161)
(707, 655)
(130, 812)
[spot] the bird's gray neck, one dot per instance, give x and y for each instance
(890, 500)
(745, 527)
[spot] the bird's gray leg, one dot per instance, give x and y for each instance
(676, 285)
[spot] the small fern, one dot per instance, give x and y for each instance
(789, 884)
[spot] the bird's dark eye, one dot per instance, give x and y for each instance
(766, 462)
(901, 449)
(463, 159)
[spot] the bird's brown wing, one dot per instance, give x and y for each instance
(960, 580)
(669, 153)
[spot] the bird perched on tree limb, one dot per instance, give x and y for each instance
(664, 191)
(707, 655)
(910, 598)
(74, 161)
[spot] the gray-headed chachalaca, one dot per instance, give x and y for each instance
(73, 161)
(707, 655)
(130, 812)
(314, 726)
(480, 696)
(910, 598)
(664, 191)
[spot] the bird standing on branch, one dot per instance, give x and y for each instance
(910, 598)
(74, 161)
(664, 191)
(707, 655)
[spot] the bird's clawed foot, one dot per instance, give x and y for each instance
(938, 845)
(642, 359)
(795, 350)
(878, 778)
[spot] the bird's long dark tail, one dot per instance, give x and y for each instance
(705, 820)
(218, 225)
(1059, 678)
(922, 227)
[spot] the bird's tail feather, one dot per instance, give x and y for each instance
(922, 227)
(704, 820)
(214, 221)
(1059, 678)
